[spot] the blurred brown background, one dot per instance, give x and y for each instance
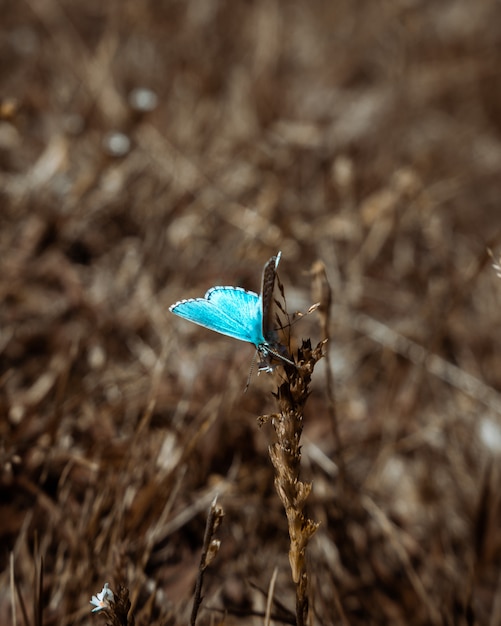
(151, 150)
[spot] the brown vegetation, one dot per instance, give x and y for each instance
(150, 150)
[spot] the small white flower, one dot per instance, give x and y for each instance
(103, 599)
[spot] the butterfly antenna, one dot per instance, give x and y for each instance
(251, 371)
(280, 356)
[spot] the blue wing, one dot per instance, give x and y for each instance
(230, 311)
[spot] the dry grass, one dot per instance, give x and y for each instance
(363, 134)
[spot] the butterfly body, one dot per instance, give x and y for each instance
(238, 313)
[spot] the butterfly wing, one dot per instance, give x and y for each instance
(270, 349)
(267, 287)
(244, 309)
(230, 311)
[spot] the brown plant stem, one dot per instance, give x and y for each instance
(285, 455)
(323, 294)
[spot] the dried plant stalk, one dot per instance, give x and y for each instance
(285, 455)
(322, 293)
(209, 551)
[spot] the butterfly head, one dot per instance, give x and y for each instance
(273, 355)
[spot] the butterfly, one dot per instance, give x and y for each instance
(240, 314)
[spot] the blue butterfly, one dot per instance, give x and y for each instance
(240, 314)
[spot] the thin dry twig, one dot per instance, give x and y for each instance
(12, 591)
(209, 550)
(323, 294)
(417, 354)
(38, 595)
(269, 599)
